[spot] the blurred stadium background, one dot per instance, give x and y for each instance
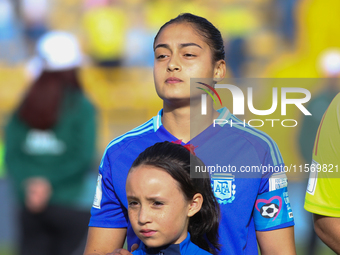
(264, 39)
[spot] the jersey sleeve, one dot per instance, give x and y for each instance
(323, 190)
(272, 207)
(107, 210)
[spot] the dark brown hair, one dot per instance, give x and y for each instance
(41, 106)
(203, 27)
(176, 160)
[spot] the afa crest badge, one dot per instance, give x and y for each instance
(224, 187)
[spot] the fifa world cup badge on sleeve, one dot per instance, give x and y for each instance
(313, 177)
(272, 209)
(98, 196)
(224, 187)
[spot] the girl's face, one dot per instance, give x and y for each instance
(180, 54)
(158, 211)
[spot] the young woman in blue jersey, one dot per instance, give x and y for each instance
(191, 47)
(169, 211)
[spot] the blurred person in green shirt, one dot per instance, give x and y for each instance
(50, 144)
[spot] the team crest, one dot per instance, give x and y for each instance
(224, 187)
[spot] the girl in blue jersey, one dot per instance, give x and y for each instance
(191, 47)
(170, 212)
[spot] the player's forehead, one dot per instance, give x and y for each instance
(150, 181)
(180, 33)
(148, 173)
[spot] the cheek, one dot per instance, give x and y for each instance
(200, 70)
(204, 66)
(175, 218)
(159, 68)
(158, 76)
(133, 216)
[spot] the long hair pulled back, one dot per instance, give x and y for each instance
(176, 160)
(41, 106)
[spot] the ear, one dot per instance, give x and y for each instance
(220, 70)
(195, 204)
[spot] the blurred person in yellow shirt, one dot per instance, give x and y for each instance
(104, 25)
(323, 190)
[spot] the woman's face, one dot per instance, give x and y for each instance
(180, 54)
(158, 211)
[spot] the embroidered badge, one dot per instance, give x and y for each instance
(224, 187)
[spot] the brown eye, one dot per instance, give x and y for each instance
(133, 204)
(157, 203)
(161, 56)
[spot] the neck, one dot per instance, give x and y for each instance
(185, 126)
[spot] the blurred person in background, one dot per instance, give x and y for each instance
(329, 66)
(139, 37)
(50, 144)
(11, 46)
(323, 190)
(285, 14)
(238, 21)
(104, 24)
(34, 15)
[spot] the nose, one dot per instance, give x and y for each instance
(174, 64)
(144, 215)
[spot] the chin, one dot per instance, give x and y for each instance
(152, 244)
(177, 101)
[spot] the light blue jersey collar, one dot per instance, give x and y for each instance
(157, 120)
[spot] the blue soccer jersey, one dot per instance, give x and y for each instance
(246, 177)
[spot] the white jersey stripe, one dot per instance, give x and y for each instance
(144, 125)
(137, 131)
(158, 120)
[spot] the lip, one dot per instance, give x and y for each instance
(147, 232)
(172, 80)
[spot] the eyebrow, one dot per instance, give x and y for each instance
(132, 197)
(182, 45)
(152, 198)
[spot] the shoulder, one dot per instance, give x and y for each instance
(336, 101)
(328, 135)
(133, 135)
(77, 102)
(188, 247)
(250, 133)
(255, 138)
(332, 114)
(84, 101)
(194, 249)
(15, 123)
(136, 136)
